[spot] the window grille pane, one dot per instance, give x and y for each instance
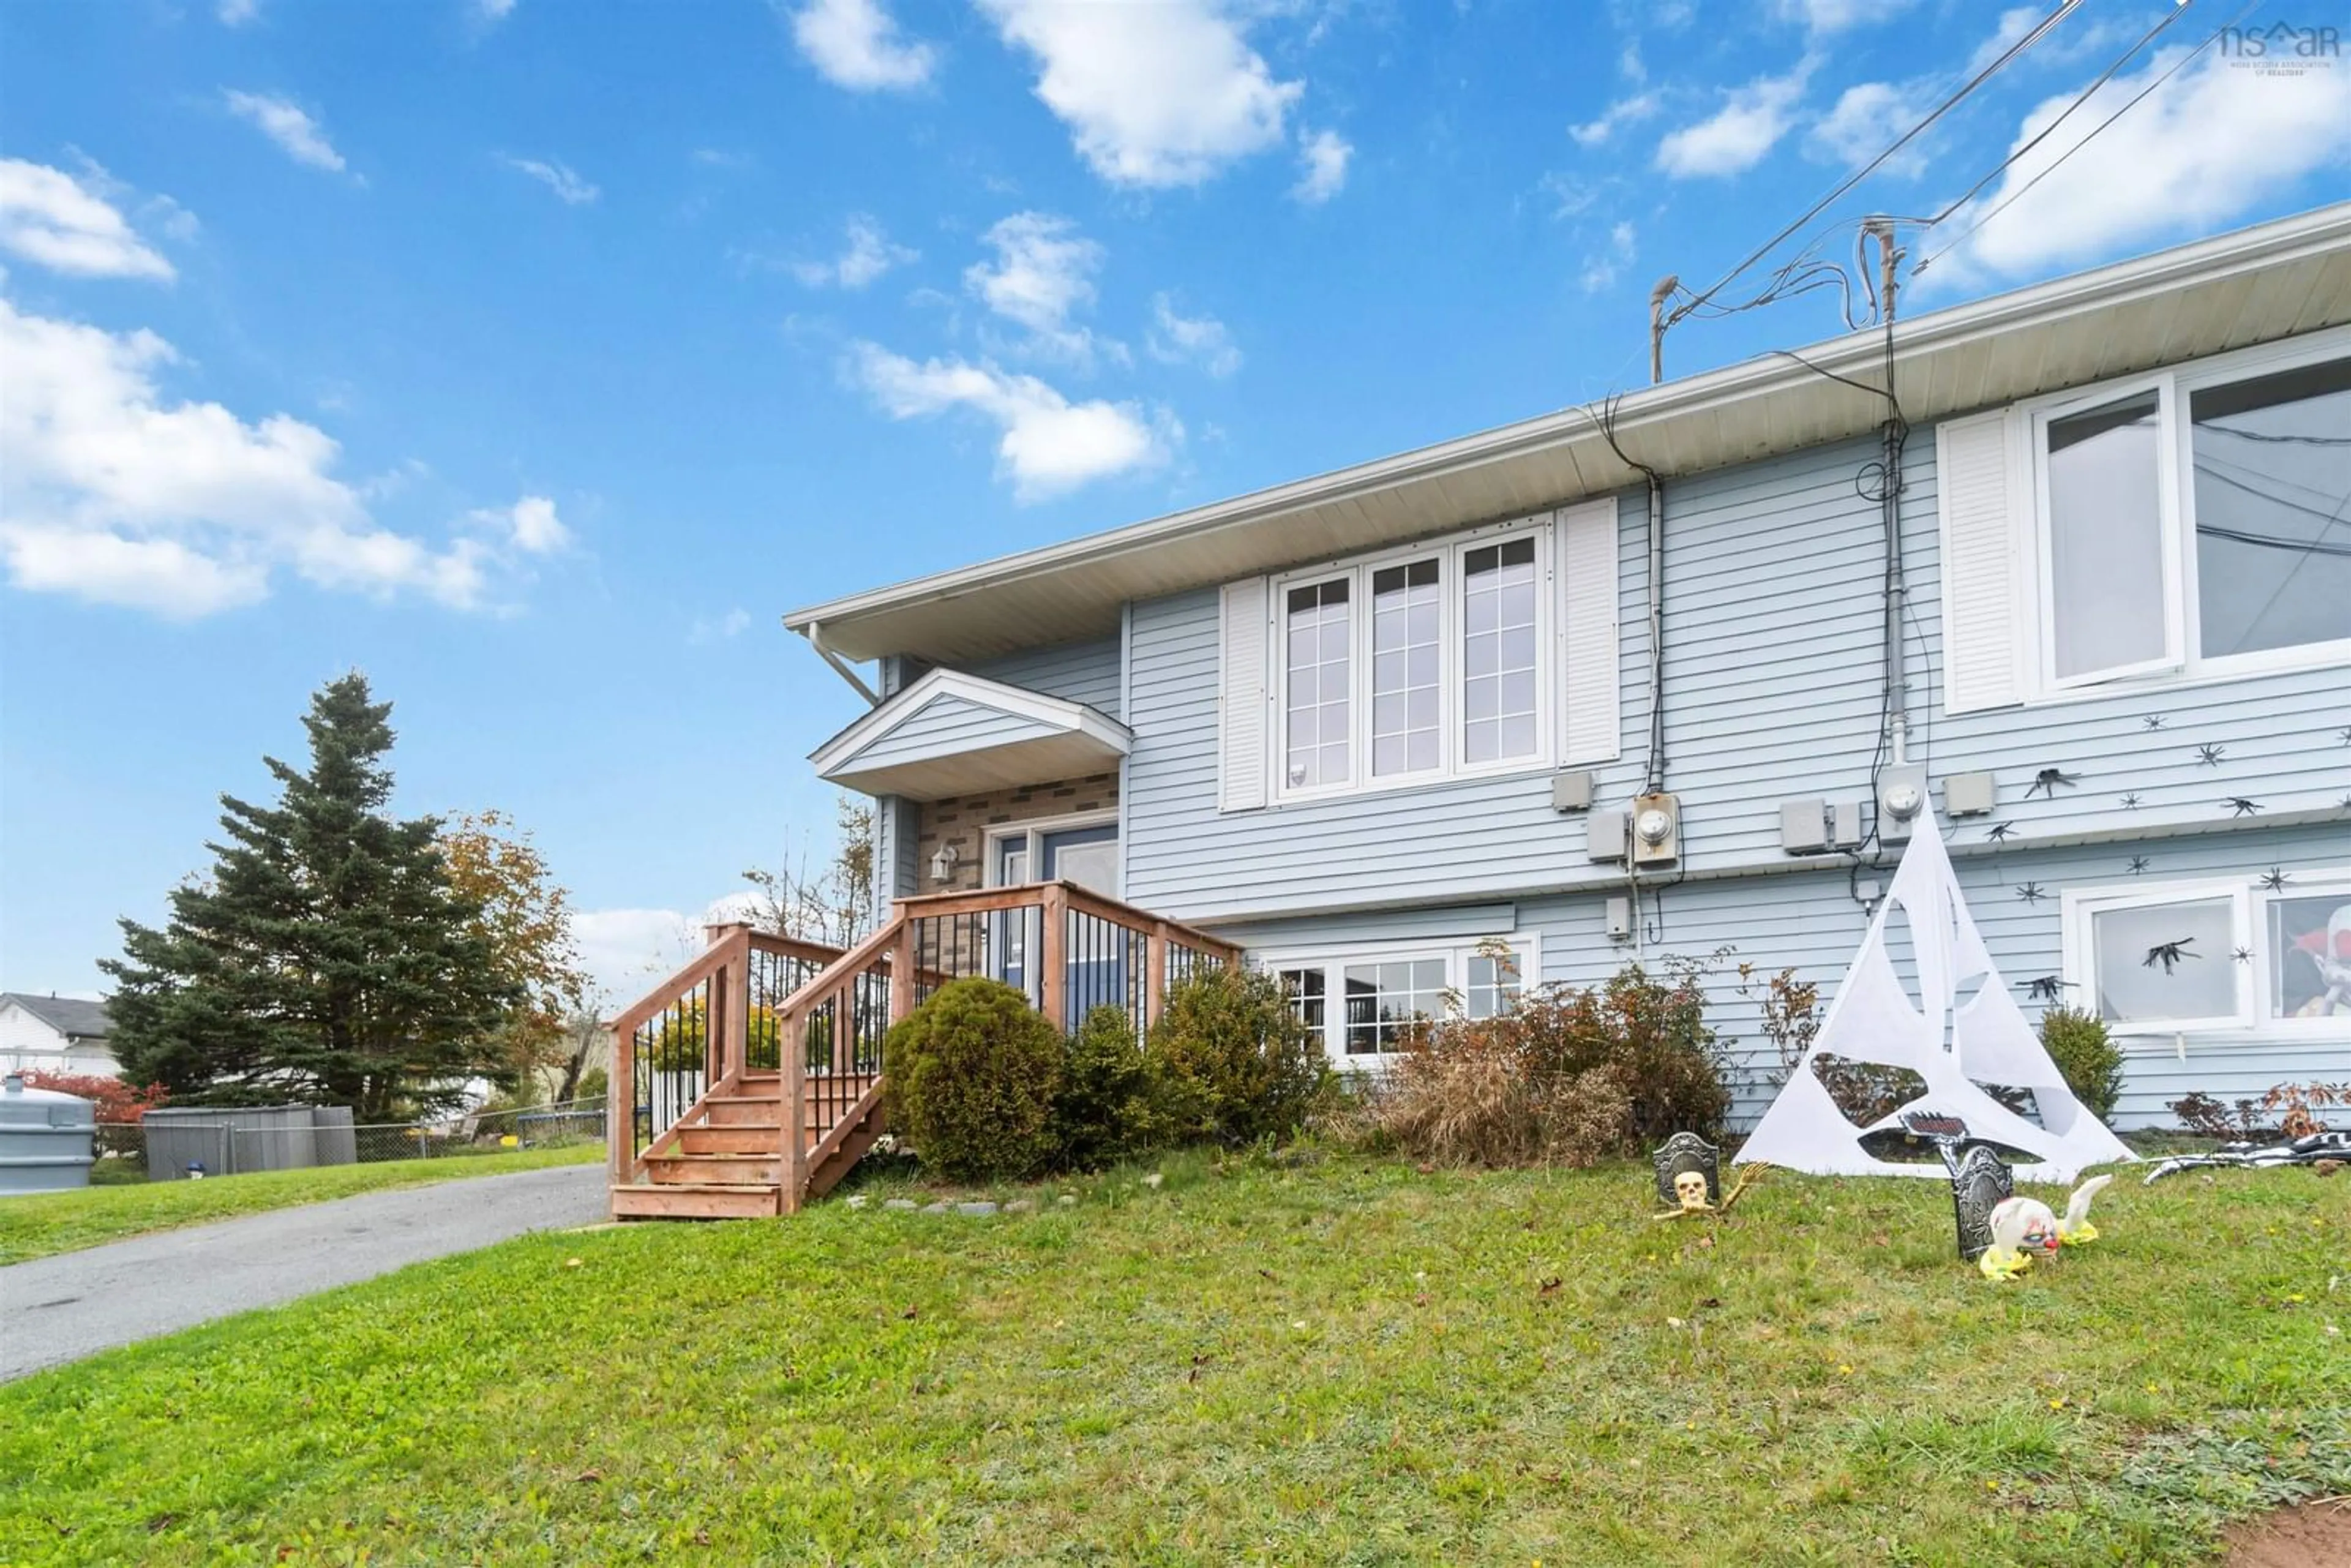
(2310, 955)
(2105, 536)
(1404, 667)
(1305, 989)
(1384, 999)
(2166, 961)
(2273, 462)
(1498, 687)
(1315, 687)
(1494, 986)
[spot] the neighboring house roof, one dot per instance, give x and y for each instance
(2257, 285)
(69, 1016)
(955, 733)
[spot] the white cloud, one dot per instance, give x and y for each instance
(288, 125)
(492, 11)
(627, 952)
(2201, 150)
(1625, 112)
(48, 217)
(1324, 156)
(1863, 123)
(1736, 136)
(1603, 266)
(1836, 15)
(560, 178)
(236, 13)
(866, 254)
(530, 525)
(1048, 445)
(718, 629)
(1158, 95)
(856, 45)
(2014, 23)
(1042, 276)
(118, 496)
(1201, 341)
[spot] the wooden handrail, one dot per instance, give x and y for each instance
(795, 947)
(1031, 896)
(698, 971)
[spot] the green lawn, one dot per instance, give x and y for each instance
(40, 1224)
(1339, 1362)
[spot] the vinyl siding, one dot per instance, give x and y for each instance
(947, 726)
(1807, 921)
(1084, 673)
(1773, 671)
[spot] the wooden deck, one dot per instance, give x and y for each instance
(753, 1079)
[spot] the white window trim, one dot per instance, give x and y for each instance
(2256, 1019)
(1359, 570)
(1333, 961)
(2183, 664)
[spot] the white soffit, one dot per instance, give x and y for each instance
(2256, 285)
(1004, 736)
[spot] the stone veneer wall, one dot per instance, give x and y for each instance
(964, 821)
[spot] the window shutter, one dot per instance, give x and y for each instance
(1985, 548)
(1241, 697)
(1590, 682)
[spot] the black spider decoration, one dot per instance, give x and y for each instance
(2343, 734)
(2275, 880)
(2241, 954)
(2044, 988)
(2210, 753)
(2241, 807)
(2344, 804)
(2130, 802)
(2153, 721)
(2031, 892)
(2169, 954)
(1999, 831)
(2046, 782)
(2137, 865)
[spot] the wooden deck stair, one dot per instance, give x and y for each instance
(702, 1128)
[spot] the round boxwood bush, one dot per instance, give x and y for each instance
(2093, 1064)
(973, 1074)
(1109, 1108)
(1233, 1061)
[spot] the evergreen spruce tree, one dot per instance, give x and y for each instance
(326, 959)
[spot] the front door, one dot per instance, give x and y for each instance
(1088, 857)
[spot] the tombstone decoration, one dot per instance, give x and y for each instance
(1980, 1183)
(1681, 1154)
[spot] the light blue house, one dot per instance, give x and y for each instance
(1682, 679)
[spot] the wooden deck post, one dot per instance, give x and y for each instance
(791, 1051)
(902, 972)
(621, 1104)
(729, 1025)
(1154, 974)
(1053, 966)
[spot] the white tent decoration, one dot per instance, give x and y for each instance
(1964, 1031)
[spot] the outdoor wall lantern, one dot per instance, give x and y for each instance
(943, 863)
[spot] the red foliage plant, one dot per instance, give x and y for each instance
(119, 1104)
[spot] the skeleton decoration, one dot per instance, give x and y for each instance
(2312, 1149)
(1690, 1193)
(1687, 1154)
(1959, 1029)
(2023, 1228)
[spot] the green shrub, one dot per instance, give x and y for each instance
(594, 1084)
(1109, 1106)
(1233, 1061)
(1566, 1077)
(2093, 1064)
(972, 1076)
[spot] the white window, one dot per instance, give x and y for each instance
(1450, 666)
(2190, 524)
(2221, 956)
(1384, 993)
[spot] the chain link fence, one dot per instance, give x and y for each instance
(234, 1143)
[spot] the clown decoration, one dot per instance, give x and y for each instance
(2023, 1228)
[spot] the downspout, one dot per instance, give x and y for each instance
(1656, 778)
(1897, 685)
(816, 641)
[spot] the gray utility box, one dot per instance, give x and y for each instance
(230, 1140)
(45, 1138)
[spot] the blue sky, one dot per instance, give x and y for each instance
(535, 358)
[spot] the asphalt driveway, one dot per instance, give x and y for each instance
(60, 1309)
